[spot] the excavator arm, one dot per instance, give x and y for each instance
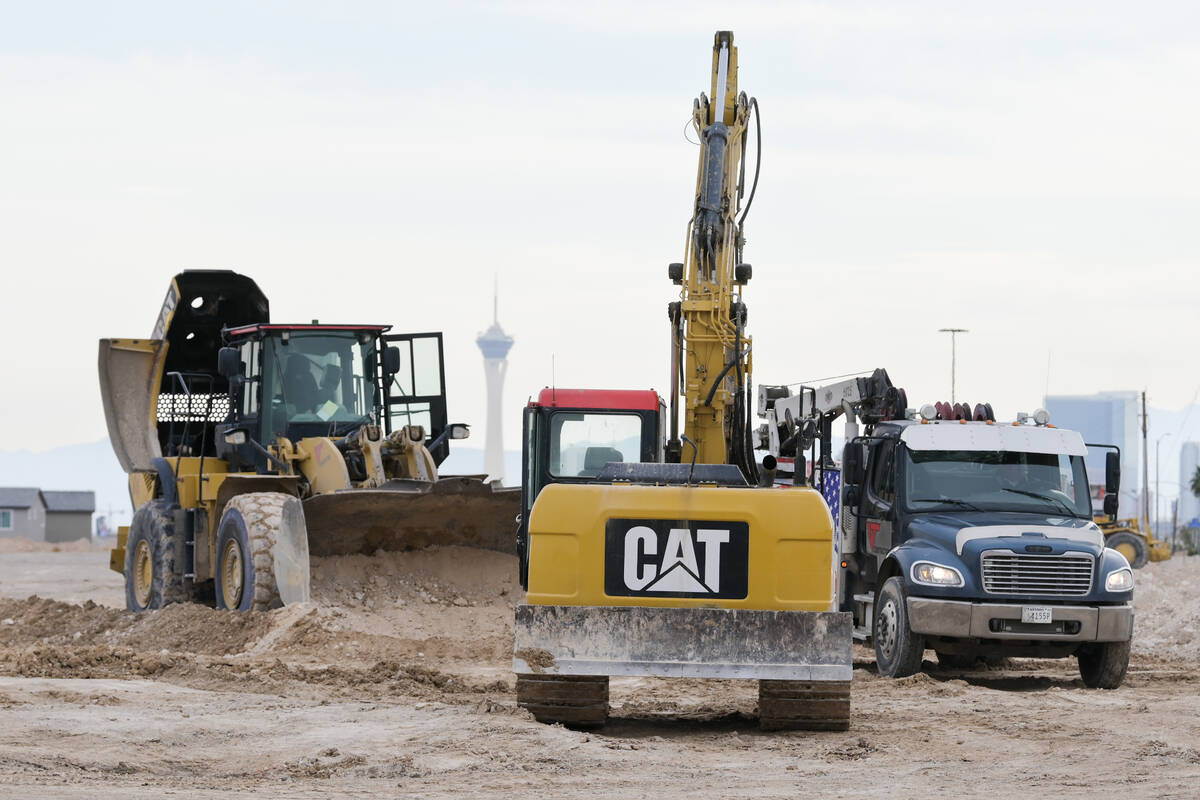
(711, 353)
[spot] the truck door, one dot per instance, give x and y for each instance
(878, 499)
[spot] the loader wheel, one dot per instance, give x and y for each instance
(1130, 545)
(1102, 665)
(153, 576)
(804, 705)
(262, 553)
(573, 700)
(898, 651)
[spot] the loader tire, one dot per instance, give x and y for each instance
(572, 700)
(1130, 545)
(1102, 665)
(804, 705)
(245, 558)
(153, 559)
(898, 651)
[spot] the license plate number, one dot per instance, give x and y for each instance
(1036, 614)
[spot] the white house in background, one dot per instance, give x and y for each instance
(46, 516)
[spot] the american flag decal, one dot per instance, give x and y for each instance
(831, 490)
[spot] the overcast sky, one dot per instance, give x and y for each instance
(1027, 170)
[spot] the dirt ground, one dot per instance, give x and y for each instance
(395, 682)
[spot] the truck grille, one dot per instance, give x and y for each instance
(1066, 575)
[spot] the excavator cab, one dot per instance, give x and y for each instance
(570, 435)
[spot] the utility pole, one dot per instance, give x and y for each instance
(1157, 444)
(954, 332)
(1145, 467)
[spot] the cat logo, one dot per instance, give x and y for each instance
(674, 558)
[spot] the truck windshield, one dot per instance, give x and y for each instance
(322, 379)
(1041, 483)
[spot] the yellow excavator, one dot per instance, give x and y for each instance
(647, 551)
(250, 445)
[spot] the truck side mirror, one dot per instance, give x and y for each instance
(1111, 503)
(229, 362)
(391, 360)
(1112, 473)
(851, 495)
(853, 469)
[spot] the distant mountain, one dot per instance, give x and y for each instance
(93, 467)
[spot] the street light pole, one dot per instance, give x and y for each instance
(1157, 443)
(954, 332)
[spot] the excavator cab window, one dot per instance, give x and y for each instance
(581, 443)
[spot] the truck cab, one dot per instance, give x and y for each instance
(568, 435)
(975, 539)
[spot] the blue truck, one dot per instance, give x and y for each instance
(960, 534)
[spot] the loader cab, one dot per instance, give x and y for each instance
(298, 381)
(568, 435)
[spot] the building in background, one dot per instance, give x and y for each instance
(494, 343)
(1106, 418)
(1189, 504)
(69, 515)
(45, 516)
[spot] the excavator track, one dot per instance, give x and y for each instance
(804, 705)
(575, 701)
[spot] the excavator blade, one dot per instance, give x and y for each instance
(404, 515)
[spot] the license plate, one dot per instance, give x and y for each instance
(1035, 614)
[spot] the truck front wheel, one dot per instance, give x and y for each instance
(898, 651)
(1103, 665)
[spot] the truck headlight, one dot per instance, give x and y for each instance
(1120, 580)
(930, 574)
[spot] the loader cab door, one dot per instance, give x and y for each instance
(416, 393)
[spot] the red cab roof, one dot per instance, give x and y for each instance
(623, 399)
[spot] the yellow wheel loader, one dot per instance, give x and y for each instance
(647, 551)
(1130, 539)
(251, 445)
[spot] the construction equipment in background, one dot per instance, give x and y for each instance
(641, 557)
(250, 445)
(1130, 539)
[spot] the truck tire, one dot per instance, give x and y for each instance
(153, 574)
(1130, 545)
(1102, 665)
(898, 651)
(245, 558)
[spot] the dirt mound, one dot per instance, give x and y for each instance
(389, 621)
(1166, 600)
(23, 544)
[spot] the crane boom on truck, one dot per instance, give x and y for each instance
(646, 550)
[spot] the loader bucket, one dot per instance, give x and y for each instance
(404, 515)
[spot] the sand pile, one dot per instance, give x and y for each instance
(23, 544)
(388, 617)
(1166, 600)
